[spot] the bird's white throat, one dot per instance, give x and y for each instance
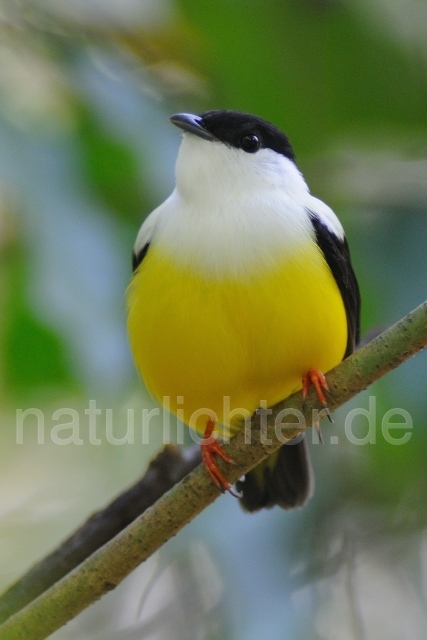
(233, 213)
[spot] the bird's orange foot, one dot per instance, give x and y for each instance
(317, 379)
(210, 447)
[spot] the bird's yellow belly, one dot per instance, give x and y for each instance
(215, 345)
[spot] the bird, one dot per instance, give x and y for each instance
(243, 292)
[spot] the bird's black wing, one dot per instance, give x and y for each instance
(138, 256)
(337, 256)
(144, 238)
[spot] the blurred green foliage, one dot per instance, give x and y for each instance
(33, 353)
(110, 169)
(85, 153)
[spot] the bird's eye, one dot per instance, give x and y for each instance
(250, 143)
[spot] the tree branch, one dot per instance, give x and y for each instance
(108, 566)
(169, 467)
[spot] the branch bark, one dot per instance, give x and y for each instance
(108, 566)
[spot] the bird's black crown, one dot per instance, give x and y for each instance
(247, 132)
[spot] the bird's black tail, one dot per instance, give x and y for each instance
(285, 479)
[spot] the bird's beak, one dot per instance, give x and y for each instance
(191, 124)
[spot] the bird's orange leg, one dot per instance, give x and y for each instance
(317, 379)
(210, 447)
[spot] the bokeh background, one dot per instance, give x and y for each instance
(86, 151)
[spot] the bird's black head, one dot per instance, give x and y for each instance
(236, 129)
